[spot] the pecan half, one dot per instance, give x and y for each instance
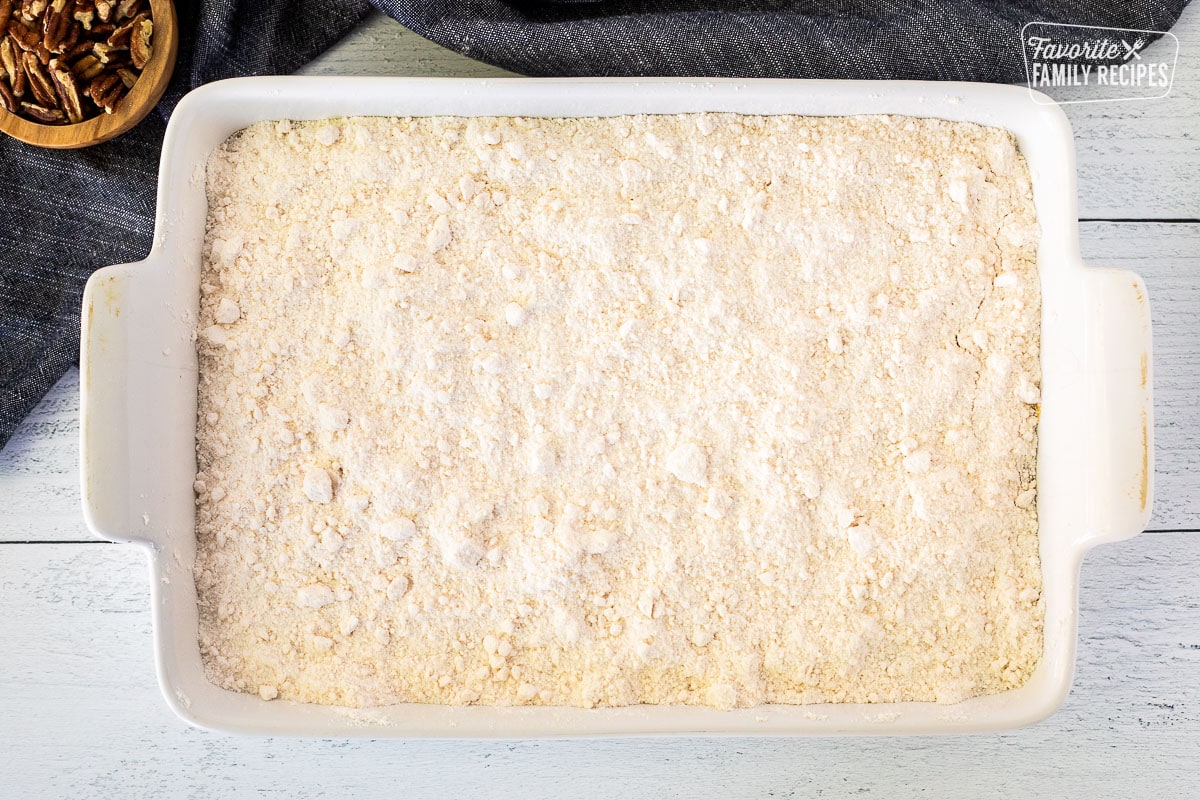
(85, 14)
(8, 59)
(56, 24)
(120, 36)
(140, 48)
(67, 90)
(87, 68)
(6, 9)
(127, 76)
(105, 91)
(7, 99)
(11, 55)
(100, 84)
(25, 37)
(106, 52)
(113, 96)
(74, 33)
(32, 9)
(39, 81)
(126, 9)
(49, 116)
(79, 49)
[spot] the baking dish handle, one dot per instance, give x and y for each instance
(1119, 360)
(104, 410)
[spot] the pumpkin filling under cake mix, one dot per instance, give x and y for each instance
(704, 408)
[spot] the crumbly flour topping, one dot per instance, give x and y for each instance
(705, 409)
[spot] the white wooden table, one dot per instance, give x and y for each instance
(80, 714)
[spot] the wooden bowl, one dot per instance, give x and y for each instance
(132, 108)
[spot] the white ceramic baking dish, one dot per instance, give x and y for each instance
(1095, 456)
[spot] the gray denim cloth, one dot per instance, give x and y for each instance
(961, 40)
(63, 214)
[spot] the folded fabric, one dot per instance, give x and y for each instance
(961, 40)
(63, 214)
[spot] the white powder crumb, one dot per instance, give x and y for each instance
(314, 596)
(318, 486)
(718, 503)
(917, 462)
(616, 414)
(999, 365)
(541, 459)
(845, 517)
(722, 696)
(467, 187)
(834, 342)
(439, 235)
(462, 554)
(862, 539)
(328, 134)
(343, 229)
(493, 364)
(514, 315)
(373, 277)
(400, 529)
(356, 503)
(1028, 392)
(398, 588)
(226, 250)
(689, 463)
(215, 335)
(227, 312)
(957, 190)
(331, 419)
